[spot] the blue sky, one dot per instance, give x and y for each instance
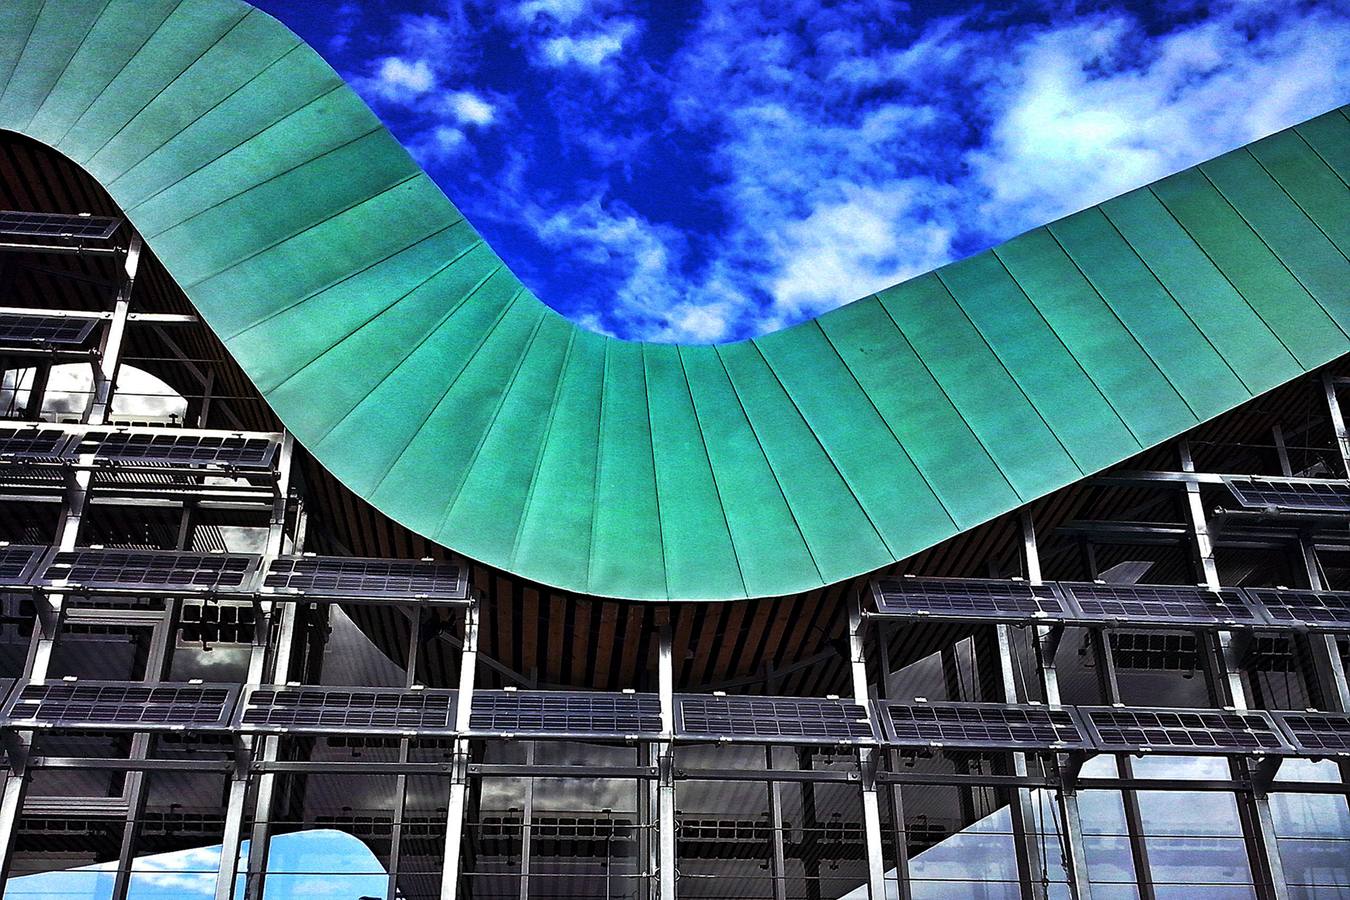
(710, 170)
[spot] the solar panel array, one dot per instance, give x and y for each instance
(320, 710)
(1316, 733)
(154, 570)
(56, 226)
(361, 578)
(1194, 731)
(968, 598)
(1286, 494)
(101, 705)
(982, 726)
(43, 330)
(24, 443)
(17, 562)
(1164, 604)
(1314, 609)
(168, 448)
(565, 714)
(790, 720)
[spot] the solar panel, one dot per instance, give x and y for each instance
(320, 710)
(42, 330)
(565, 714)
(791, 720)
(153, 570)
(26, 443)
(1161, 604)
(56, 226)
(175, 448)
(1191, 731)
(17, 562)
(1316, 733)
(121, 705)
(1303, 495)
(968, 598)
(982, 726)
(1323, 610)
(362, 578)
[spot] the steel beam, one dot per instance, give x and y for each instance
(456, 806)
(867, 758)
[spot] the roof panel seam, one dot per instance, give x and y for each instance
(825, 450)
(156, 95)
(712, 471)
(430, 333)
(506, 307)
(656, 479)
(965, 423)
(543, 445)
(768, 463)
(381, 194)
(1278, 256)
(98, 95)
(1011, 377)
(56, 82)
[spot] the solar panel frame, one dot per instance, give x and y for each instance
(565, 714)
(42, 330)
(1316, 734)
(981, 726)
(18, 562)
(1165, 605)
(21, 224)
(1190, 732)
(160, 571)
(781, 720)
(1302, 495)
(970, 599)
(182, 448)
(137, 706)
(322, 710)
(35, 443)
(366, 578)
(1302, 608)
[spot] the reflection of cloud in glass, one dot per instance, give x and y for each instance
(308, 864)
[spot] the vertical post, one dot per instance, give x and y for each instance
(275, 630)
(1066, 798)
(867, 758)
(1030, 866)
(459, 775)
(404, 752)
(51, 607)
(1226, 678)
(1332, 689)
(110, 358)
(904, 886)
(667, 865)
(777, 858)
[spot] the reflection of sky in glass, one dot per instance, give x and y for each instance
(1194, 839)
(327, 865)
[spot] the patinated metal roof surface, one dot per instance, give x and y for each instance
(405, 355)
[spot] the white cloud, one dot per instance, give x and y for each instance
(564, 11)
(591, 50)
(399, 80)
(470, 109)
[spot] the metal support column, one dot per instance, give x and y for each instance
(899, 827)
(404, 754)
(867, 760)
(1047, 640)
(459, 775)
(667, 870)
(1222, 664)
(1030, 866)
(777, 857)
(51, 607)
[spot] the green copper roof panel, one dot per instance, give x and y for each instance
(415, 366)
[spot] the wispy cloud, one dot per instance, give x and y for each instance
(708, 171)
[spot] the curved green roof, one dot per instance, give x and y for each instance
(402, 352)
